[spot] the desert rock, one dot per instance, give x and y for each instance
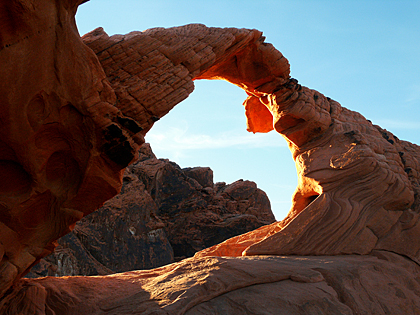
(383, 284)
(88, 102)
(333, 147)
(59, 132)
(83, 116)
(161, 211)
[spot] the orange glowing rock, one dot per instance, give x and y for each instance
(73, 115)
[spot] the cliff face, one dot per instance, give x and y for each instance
(163, 213)
(59, 130)
(88, 102)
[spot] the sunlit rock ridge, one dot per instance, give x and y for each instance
(74, 112)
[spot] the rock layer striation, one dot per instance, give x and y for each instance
(357, 183)
(76, 114)
(383, 284)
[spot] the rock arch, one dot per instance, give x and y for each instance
(99, 95)
(354, 185)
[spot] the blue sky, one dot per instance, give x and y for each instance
(364, 54)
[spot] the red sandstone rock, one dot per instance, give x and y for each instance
(333, 147)
(351, 284)
(61, 137)
(331, 214)
(152, 71)
(67, 138)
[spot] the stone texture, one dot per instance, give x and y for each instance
(132, 232)
(82, 116)
(59, 130)
(152, 71)
(383, 284)
(86, 105)
(333, 147)
(357, 184)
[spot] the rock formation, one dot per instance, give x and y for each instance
(77, 112)
(289, 285)
(162, 210)
(61, 136)
(333, 147)
(80, 122)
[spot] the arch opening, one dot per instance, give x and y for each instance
(208, 129)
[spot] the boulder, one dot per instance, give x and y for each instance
(203, 175)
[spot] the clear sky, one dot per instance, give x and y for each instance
(364, 54)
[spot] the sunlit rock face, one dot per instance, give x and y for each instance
(347, 284)
(74, 112)
(356, 182)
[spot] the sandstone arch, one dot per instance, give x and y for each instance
(88, 103)
(333, 147)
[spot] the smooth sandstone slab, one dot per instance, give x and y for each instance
(386, 284)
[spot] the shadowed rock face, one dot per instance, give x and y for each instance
(61, 136)
(163, 214)
(77, 111)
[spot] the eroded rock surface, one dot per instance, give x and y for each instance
(382, 284)
(80, 121)
(162, 211)
(66, 137)
(59, 131)
(333, 147)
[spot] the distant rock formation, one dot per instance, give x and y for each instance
(75, 116)
(162, 211)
